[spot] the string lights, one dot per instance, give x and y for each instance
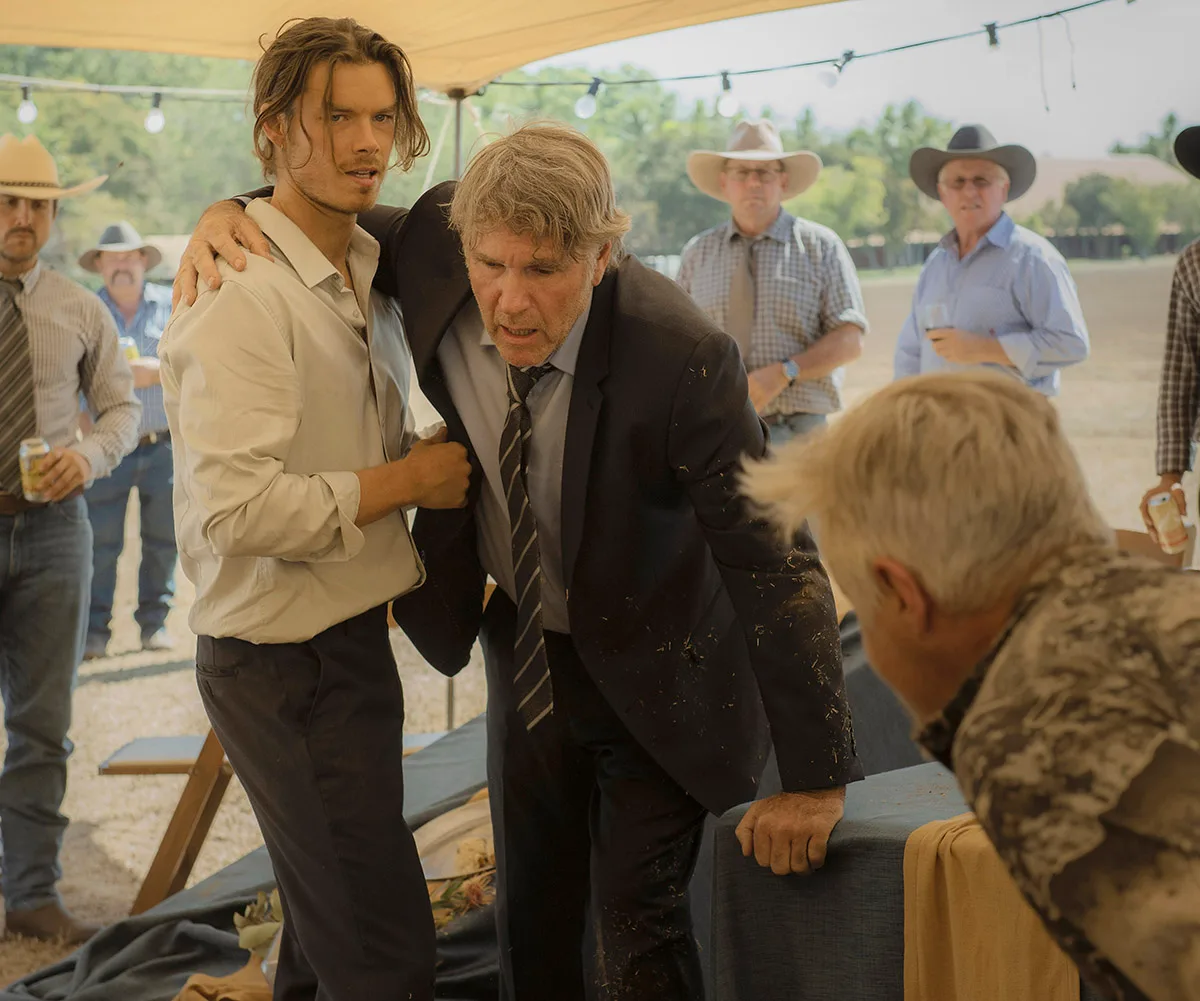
(830, 71)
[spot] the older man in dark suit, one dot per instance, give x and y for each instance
(645, 629)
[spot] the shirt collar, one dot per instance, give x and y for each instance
(1000, 235)
(28, 281)
(302, 254)
(937, 736)
(780, 230)
(566, 354)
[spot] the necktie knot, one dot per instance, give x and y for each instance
(9, 289)
(522, 380)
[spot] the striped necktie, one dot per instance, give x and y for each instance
(18, 416)
(531, 683)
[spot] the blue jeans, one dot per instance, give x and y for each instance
(45, 574)
(793, 426)
(149, 469)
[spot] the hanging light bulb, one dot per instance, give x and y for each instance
(585, 107)
(727, 104)
(26, 110)
(156, 121)
(993, 34)
(832, 73)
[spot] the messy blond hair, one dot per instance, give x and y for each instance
(966, 479)
(305, 43)
(545, 180)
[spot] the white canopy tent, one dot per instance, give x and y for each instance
(454, 46)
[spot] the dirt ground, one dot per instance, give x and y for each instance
(116, 822)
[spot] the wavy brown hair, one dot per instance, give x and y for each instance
(304, 43)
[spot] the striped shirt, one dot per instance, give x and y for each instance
(73, 348)
(1179, 387)
(805, 285)
(148, 324)
(1015, 287)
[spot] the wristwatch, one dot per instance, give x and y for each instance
(791, 370)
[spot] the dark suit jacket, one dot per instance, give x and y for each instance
(691, 617)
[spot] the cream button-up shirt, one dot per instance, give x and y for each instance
(278, 387)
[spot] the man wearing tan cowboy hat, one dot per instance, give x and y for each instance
(784, 288)
(1179, 385)
(56, 341)
(992, 293)
(141, 310)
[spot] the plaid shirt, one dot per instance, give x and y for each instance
(805, 286)
(1179, 387)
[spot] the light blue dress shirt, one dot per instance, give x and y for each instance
(1013, 286)
(148, 324)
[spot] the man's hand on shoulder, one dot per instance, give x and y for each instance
(789, 832)
(223, 231)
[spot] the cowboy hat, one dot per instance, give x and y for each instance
(27, 170)
(119, 237)
(1187, 150)
(973, 142)
(754, 142)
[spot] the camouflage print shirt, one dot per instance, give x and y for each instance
(1077, 743)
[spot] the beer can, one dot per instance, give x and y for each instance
(1168, 523)
(33, 453)
(129, 346)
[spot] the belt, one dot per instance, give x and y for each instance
(13, 504)
(153, 438)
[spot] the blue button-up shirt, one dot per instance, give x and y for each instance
(1013, 286)
(146, 329)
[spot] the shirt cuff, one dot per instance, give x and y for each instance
(1022, 352)
(347, 494)
(91, 450)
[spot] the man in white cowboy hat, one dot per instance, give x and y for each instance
(56, 341)
(992, 293)
(784, 288)
(140, 310)
(1179, 385)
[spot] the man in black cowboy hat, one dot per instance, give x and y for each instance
(141, 310)
(992, 293)
(1179, 386)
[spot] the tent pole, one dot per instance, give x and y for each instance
(458, 96)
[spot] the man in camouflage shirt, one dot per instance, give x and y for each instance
(1058, 678)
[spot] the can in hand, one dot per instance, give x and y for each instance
(1168, 523)
(33, 453)
(129, 346)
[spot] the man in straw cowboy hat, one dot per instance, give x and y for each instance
(1179, 385)
(784, 288)
(992, 293)
(141, 310)
(56, 341)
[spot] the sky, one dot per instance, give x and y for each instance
(1133, 62)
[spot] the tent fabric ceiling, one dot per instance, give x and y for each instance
(451, 44)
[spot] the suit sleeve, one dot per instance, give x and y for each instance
(782, 596)
(386, 224)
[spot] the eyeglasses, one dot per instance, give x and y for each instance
(743, 174)
(979, 183)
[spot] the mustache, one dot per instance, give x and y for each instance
(19, 229)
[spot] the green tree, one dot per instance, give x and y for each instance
(1139, 208)
(850, 200)
(1160, 144)
(1087, 197)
